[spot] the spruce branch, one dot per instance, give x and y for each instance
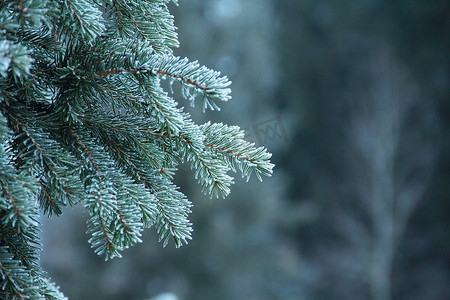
(238, 154)
(14, 60)
(151, 22)
(133, 143)
(84, 118)
(174, 207)
(40, 154)
(30, 12)
(196, 80)
(13, 276)
(87, 17)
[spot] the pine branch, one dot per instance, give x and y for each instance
(56, 168)
(87, 17)
(115, 203)
(13, 276)
(229, 141)
(14, 60)
(150, 21)
(172, 205)
(133, 143)
(163, 108)
(39, 38)
(84, 118)
(21, 275)
(21, 282)
(17, 187)
(196, 80)
(26, 12)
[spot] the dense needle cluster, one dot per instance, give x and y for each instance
(84, 120)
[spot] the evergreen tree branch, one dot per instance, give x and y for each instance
(45, 158)
(196, 80)
(21, 282)
(229, 140)
(13, 276)
(84, 118)
(117, 134)
(113, 202)
(150, 20)
(14, 60)
(87, 17)
(28, 12)
(172, 206)
(163, 107)
(20, 272)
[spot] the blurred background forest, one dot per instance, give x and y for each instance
(352, 98)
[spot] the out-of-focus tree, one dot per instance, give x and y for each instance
(389, 155)
(326, 54)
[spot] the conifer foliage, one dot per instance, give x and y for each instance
(85, 120)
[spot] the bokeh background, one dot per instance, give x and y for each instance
(352, 98)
